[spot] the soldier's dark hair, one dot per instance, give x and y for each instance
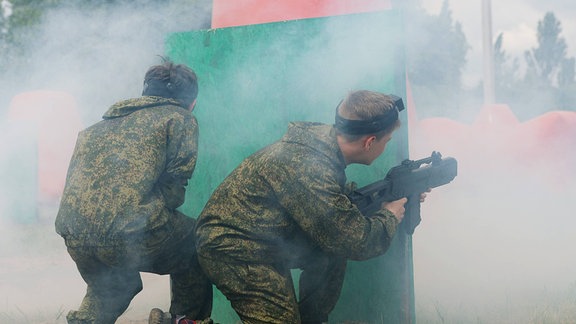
(365, 105)
(170, 80)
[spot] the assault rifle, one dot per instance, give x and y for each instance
(409, 179)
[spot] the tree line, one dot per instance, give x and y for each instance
(436, 50)
(436, 56)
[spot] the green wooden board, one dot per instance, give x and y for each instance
(255, 79)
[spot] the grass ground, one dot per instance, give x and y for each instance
(39, 284)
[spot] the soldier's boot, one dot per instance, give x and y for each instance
(157, 316)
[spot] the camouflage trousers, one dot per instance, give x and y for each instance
(264, 293)
(111, 270)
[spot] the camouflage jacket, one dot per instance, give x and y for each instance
(129, 171)
(287, 199)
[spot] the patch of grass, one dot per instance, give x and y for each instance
(18, 316)
(549, 307)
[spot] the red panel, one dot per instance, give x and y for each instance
(57, 121)
(497, 142)
(227, 13)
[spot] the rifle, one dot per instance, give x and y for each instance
(409, 179)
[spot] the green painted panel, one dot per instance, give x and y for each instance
(255, 79)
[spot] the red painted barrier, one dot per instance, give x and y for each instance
(227, 13)
(55, 117)
(497, 143)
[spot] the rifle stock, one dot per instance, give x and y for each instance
(409, 179)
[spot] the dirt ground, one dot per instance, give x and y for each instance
(39, 282)
(502, 254)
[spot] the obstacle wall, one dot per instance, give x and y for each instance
(255, 79)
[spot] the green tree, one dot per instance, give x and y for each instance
(18, 20)
(566, 98)
(549, 80)
(544, 62)
(5, 14)
(21, 26)
(436, 49)
(566, 75)
(506, 70)
(508, 82)
(550, 74)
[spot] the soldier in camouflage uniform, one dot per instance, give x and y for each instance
(118, 212)
(285, 207)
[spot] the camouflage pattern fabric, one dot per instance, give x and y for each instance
(128, 172)
(285, 207)
(118, 212)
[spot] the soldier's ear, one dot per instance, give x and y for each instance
(368, 142)
(192, 105)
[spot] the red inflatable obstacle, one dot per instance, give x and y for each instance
(226, 13)
(540, 148)
(553, 134)
(55, 119)
(548, 142)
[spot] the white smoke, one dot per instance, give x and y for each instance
(97, 57)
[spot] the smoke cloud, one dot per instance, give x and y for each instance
(96, 56)
(495, 245)
(496, 240)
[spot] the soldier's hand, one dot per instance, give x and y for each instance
(396, 207)
(423, 195)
